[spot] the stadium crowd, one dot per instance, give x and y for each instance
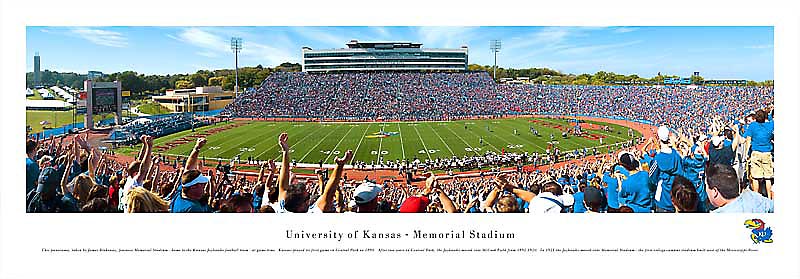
(431, 96)
(672, 172)
(154, 127)
(712, 153)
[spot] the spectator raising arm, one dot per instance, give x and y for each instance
(283, 178)
(65, 177)
(144, 167)
(447, 203)
(502, 179)
(326, 200)
(269, 182)
(191, 163)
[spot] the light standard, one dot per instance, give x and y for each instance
(495, 46)
(236, 46)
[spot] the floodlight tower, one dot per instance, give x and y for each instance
(236, 46)
(495, 45)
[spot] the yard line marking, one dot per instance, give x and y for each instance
(294, 144)
(462, 140)
(276, 127)
(525, 139)
(401, 142)
(243, 131)
(268, 131)
(490, 144)
(441, 139)
(423, 144)
(380, 145)
(337, 144)
(315, 146)
(362, 139)
(271, 130)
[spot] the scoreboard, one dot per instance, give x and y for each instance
(104, 100)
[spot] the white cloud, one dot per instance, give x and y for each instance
(381, 32)
(100, 36)
(215, 45)
(328, 36)
(203, 39)
(445, 36)
(760, 46)
(625, 29)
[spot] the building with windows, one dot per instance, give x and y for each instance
(92, 75)
(204, 98)
(384, 56)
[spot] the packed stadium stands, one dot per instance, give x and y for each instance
(442, 96)
(152, 126)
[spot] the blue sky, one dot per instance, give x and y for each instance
(717, 52)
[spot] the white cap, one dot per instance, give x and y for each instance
(366, 192)
(716, 140)
(702, 137)
(663, 133)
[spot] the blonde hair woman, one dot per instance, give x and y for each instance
(142, 200)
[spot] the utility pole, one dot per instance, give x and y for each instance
(495, 46)
(236, 46)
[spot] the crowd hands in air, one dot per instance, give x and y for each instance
(723, 168)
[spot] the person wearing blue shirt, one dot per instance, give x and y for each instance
(694, 165)
(579, 206)
(188, 198)
(722, 186)
(612, 185)
(666, 165)
(31, 167)
(635, 192)
(760, 134)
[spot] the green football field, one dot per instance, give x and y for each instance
(311, 142)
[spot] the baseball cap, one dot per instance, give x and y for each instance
(198, 180)
(414, 205)
(366, 192)
(48, 180)
(663, 133)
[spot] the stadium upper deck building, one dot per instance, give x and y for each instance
(384, 56)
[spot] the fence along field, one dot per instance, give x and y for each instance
(312, 142)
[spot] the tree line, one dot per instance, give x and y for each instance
(141, 84)
(550, 76)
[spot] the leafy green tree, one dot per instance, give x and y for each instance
(183, 84)
(215, 81)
